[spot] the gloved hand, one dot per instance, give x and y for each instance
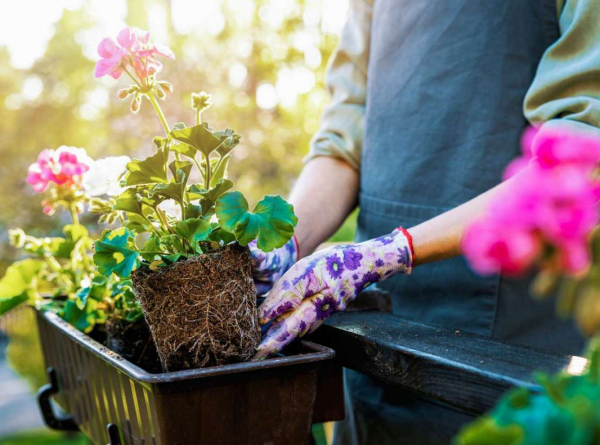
(269, 267)
(324, 283)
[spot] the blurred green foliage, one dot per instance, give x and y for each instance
(45, 437)
(24, 351)
(566, 411)
(249, 52)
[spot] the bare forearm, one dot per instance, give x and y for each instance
(439, 238)
(324, 195)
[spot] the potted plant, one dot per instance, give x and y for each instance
(191, 270)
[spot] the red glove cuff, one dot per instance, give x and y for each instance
(410, 243)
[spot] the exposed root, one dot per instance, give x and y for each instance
(202, 312)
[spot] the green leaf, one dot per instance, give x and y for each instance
(208, 198)
(84, 318)
(137, 223)
(229, 139)
(185, 150)
(193, 211)
(199, 137)
(173, 243)
(220, 172)
(81, 297)
(173, 258)
(181, 170)
(17, 284)
(220, 236)
(174, 190)
(272, 222)
(129, 205)
(116, 252)
(214, 193)
(151, 246)
(193, 230)
(74, 232)
(485, 431)
(149, 171)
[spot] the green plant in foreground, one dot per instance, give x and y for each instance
(567, 411)
(210, 214)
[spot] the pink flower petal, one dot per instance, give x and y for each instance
(108, 66)
(107, 48)
(163, 50)
(142, 35)
(126, 38)
(576, 256)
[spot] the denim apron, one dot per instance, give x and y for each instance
(446, 83)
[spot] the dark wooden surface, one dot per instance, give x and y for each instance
(466, 371)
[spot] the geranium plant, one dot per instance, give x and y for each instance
(210, 215)
(547, 218)
(191, 267)
(59, 275)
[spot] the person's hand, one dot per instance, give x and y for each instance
(269, 267)
(324, 283)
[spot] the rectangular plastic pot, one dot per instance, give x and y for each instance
(113, 401)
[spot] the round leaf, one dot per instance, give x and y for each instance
(271, 223)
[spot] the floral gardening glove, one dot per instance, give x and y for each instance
(320, 285)
(269, 267)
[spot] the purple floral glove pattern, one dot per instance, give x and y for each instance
(269, 267)
(324, 283)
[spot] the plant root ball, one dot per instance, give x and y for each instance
(202, 311)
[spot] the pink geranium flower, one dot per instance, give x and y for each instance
(63, 166)
(553, 198)
(132, 49)
(560, 146)
(491, 247)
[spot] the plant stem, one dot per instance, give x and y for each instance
(208, 172)
(198, 117)
(58, 269)
(132, 78)
(156, 106)
(199, 169)
(151, 225)
(163, 219)
(73, 210)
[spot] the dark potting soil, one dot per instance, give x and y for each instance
(133, 341)
(202, 311)
(98, 333)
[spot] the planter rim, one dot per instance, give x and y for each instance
(319, 353)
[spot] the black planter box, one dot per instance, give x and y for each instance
(112, 401)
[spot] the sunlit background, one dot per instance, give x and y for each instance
(263, 61)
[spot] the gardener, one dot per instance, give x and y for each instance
(427, 111)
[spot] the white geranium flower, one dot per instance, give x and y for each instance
(104, 175)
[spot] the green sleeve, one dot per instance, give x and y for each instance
(566, 87)
(342, 124)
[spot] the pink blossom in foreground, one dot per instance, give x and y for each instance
(560, 146)
(65, 165)
(553, 198)
(491, 247)
(131, 50)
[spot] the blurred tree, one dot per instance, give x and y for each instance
(263, 61)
